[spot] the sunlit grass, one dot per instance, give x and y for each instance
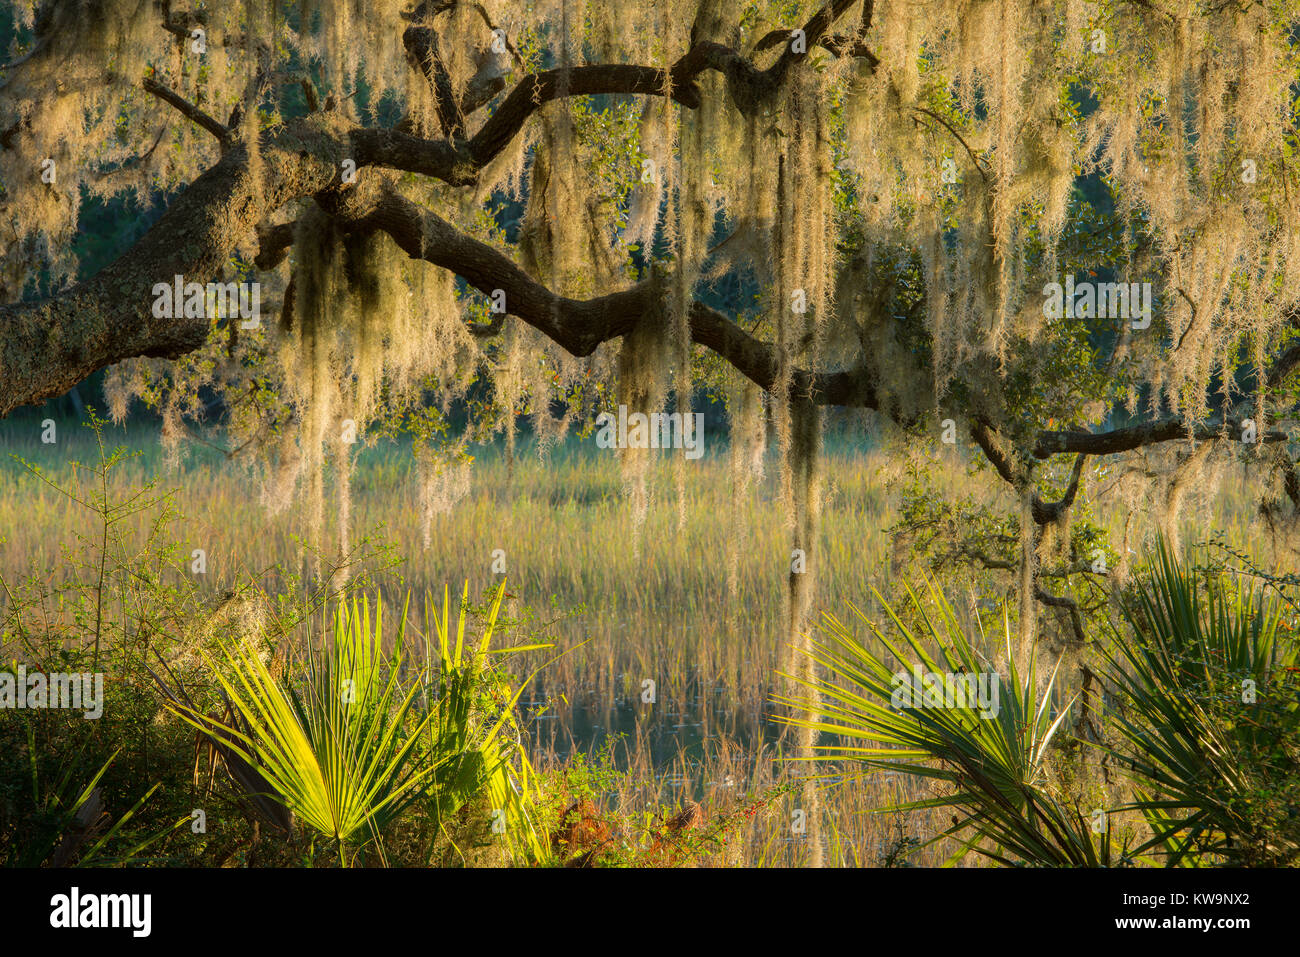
(660, 610)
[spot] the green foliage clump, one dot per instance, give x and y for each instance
(1203, 723)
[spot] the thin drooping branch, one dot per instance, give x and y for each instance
(1070, 606)
(182, 23)
(816, 27)
(581, 326)
(1017, 471)
(749, 86)
(255, 89)
(480, 91)
(492, 28)
(49, 345)
(1051, 511)
(310, 95)
(135, 162)
(420, 41)
(442, 159)
(974, 158)
(1015, 466)
(756, 360)
(188, 110)
(999, 452)
(843, 46)
(538, 89)
(57, 342)
(1149, 433)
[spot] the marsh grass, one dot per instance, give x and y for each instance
(624, 615)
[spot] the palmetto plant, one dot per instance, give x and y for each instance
(336, 749)
(1205, 685)
(72, 828)
(474, 729)
(1208, 716)
(361, 735)
(992, 769)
